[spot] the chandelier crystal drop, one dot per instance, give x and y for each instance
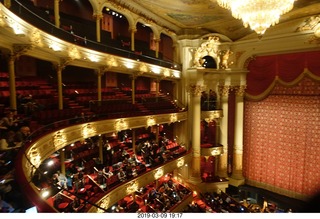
(258, 14)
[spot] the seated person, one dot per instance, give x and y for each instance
(106, 171)
(62, 180)
(122, 175)
(76, 205)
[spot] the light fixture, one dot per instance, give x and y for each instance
(258, 14)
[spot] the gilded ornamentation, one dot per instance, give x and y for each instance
(224, 58)
(132, 187)
(36, 38)
(21, 49)
(59, 140)
(208, 48)
(151, 121)
(104, 204)
(309, 24)
(173, 118)
(88, 130)
(120, 125)
(158, 173)
(224, 90)
(240, 90)
(196, 89)
(74, 53)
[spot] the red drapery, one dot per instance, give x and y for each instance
(265, 71)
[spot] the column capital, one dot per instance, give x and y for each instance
(196, 89)
(20, 49)
(98, 16)
(240, 90)
(224, 90)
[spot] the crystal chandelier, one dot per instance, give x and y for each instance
(258, 14)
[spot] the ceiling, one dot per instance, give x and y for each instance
(206, 16)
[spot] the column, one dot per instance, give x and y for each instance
(175, 52)
(157, 41)
(223, 158)
(195, 95)
(238, 137)
(98, 26)
(100, 145)
(134, 141)
(62, 160)
(56, 13)
(133, 31)
(157, 88)
(12, 82)
(100, 73)
(133, 88)
(59, 83)
(7, 3)
(231, 124)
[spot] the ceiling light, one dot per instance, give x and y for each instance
(258, 14)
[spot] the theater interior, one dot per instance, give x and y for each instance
(114, 106)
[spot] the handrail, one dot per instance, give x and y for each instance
(25, 13)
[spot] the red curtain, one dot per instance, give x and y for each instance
(265, 70)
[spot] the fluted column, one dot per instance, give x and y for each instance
(98, 26)
(195, 96)
(56, 13)
(12, 82)
(238, 141)
(223, 159)
(133, 32)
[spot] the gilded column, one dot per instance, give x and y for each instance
(134, 141)
(133, 88)
(223, 159)
(157, 88)
(56, 13)
(157, 41)
(100, 73)
(7, 3)
(238, 138)
(195, 91)
(133, 32)
(100, 145)
(62, 160)
(12, 82)
(59, 69)
(175, 52)
(98, 26)
(18, 50)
